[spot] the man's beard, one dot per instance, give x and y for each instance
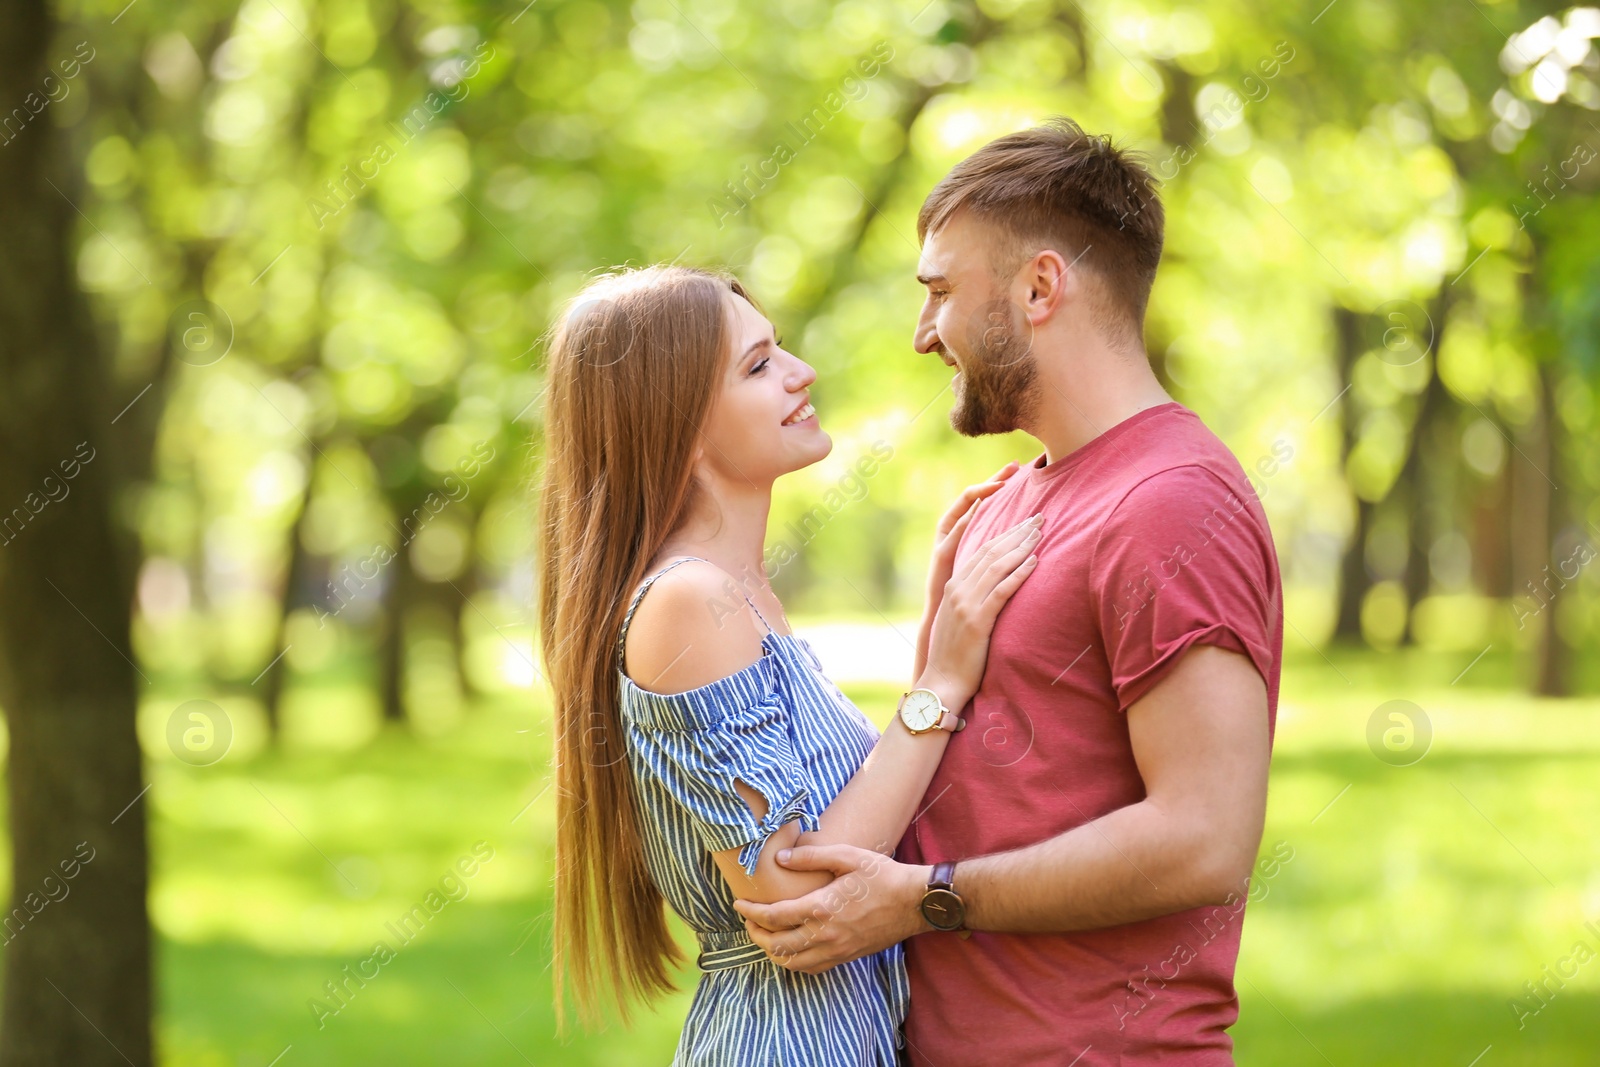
(997, 385)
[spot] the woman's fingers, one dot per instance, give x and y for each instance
(1011, 583)
(972, 494)
(963, 503)
(996, 547)
(1005, 472)
(1003, 566)
(949, 540)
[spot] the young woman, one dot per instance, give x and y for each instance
(695, 734)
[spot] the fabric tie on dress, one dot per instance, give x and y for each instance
(796, 809)
(722, 949)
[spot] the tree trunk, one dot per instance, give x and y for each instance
(1553, 677)
(1530, 522)
(298, 591)
(1432, 411)
(400, 593)
(1491, 543)
(1354, 578)
(77, 941)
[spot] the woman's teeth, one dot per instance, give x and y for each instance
(800, 416)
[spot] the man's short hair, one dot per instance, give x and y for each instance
(1055, 186)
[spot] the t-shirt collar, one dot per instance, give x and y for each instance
(1037, 471)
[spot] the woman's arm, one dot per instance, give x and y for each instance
(871, 811)
(878, 803)
(876, 806)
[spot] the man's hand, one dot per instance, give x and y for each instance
(872, 903)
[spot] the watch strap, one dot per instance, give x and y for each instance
(940, 898)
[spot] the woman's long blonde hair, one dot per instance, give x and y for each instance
(634, 366)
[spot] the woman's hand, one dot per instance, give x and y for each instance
(958, 646)
(947, 536)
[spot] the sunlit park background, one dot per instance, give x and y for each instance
(318, 242)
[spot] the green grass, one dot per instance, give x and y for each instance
(1418, 901)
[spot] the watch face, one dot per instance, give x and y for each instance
(943, 909)
(920, 710)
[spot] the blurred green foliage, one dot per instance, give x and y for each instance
(330, 235)
(1395, 934)
(380, 205)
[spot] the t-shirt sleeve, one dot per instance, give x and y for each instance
(1183, 560)
(694, 745)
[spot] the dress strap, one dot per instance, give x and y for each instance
(638, 595)
(644, 587)
(757, 610)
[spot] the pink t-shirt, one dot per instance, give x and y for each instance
(1153, 542)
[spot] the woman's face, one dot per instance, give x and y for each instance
(761, 424)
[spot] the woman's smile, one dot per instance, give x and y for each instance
(801, 415)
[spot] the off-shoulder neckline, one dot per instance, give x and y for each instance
(771, 635)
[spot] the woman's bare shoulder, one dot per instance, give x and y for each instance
(691, 628)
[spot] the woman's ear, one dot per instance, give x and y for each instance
(697, 463)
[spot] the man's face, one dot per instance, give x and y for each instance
(970, 320)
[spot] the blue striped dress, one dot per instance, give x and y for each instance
(782, 727)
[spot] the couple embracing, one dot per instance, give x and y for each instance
(1045, 857)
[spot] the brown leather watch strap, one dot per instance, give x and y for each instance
(942, 906)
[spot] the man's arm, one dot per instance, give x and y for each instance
(1200, 738)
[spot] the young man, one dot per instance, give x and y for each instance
(1104, 813)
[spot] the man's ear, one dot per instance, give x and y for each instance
(1050, 283)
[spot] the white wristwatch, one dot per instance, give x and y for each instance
(922, 711)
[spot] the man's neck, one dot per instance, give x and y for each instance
(1084, 392)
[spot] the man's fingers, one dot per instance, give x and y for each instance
(760, 934)
(836, 858)
(791, 949)
(760, 914)
(782, 947)
(784, 915)
(795, 950)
